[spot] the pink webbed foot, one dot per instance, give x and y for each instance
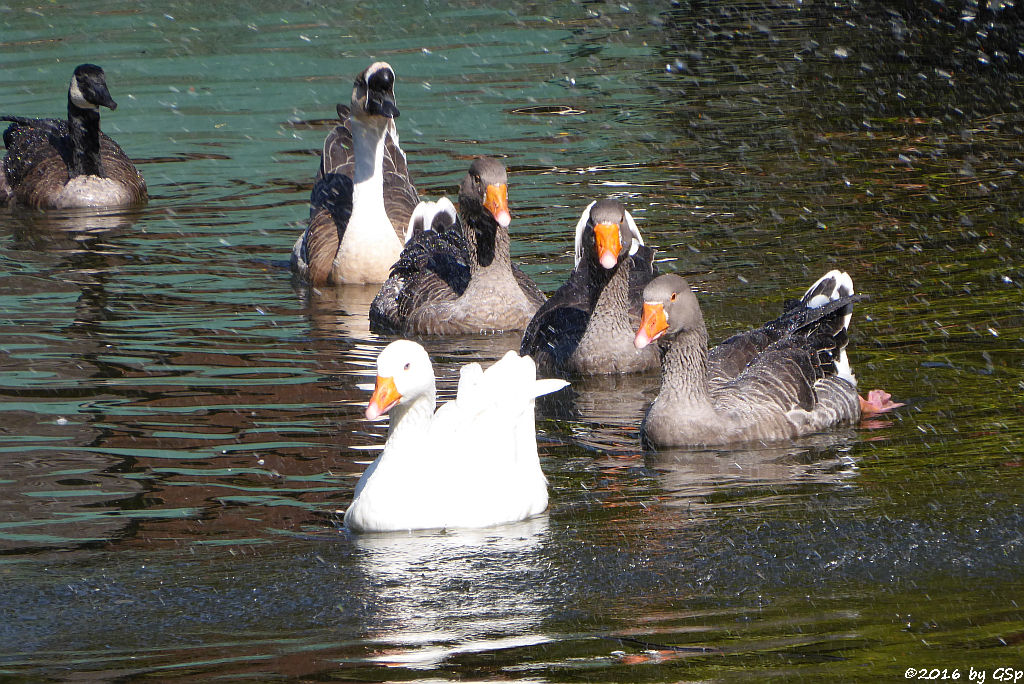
(878, 401)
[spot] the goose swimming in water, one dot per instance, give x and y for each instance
(60, 164)
(472, 463)
(588, 325)
(755, 388)
(458, 278)
(362, 198)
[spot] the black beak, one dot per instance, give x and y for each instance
(101, 96)
(381, 104)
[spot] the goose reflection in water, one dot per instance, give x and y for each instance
(341, 311)
(690, 476)
(440, 594)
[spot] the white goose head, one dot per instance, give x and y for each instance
(373, 94)
(607, 211)
(404, 374)
(88, 88)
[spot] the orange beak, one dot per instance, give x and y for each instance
(496, 202)
(385, 396)
(652, 326)
(608, 243)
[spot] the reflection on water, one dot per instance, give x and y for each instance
(440, 595)
(694, 479)
(180, 425)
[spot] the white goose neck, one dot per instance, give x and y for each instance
(368, 150)
(409, 422)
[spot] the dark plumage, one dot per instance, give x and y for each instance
(57, 163)
(790, 377)
(362, 197)
(587, 326)
(459, 278)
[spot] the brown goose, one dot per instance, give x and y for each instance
(57, 164)
(587, 326)
(458, 277)
(363, 197)
(799, 384)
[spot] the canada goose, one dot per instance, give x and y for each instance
(58, 164)
(799, 384)
(588, 325)
(472, 463)
(459, 278)
(362, 198)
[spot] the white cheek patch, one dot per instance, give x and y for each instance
(75, 93)
(638, 240)
(580, 225)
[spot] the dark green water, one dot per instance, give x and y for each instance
(180, 425)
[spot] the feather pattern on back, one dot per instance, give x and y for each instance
(58, 163)
(796, 379)
(457, 278)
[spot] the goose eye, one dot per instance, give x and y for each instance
(406, 367)
(673, 297)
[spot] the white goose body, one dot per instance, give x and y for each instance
(363, 197)
(370, 244)
(472, 463)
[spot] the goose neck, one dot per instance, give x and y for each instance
(685, 368)
(84, 130)
(611, 288)
(488, 244)
(409, 422)
(368, 150)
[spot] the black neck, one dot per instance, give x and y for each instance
(488, 242)
(84, 127)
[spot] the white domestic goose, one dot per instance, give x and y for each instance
(473, 463)
(58, 164)
(362, 198)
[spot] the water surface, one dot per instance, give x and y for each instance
(181, 424)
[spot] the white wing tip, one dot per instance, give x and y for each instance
(844, 370)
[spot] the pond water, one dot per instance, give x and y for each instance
(181, 424)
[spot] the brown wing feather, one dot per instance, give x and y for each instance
(400, 196)
(44, 173)
(321, 246)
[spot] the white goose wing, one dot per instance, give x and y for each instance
(484, 422)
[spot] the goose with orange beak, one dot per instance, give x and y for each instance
(796, 379)
(459, 277)
(472, 463)
(587, 326)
